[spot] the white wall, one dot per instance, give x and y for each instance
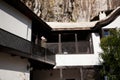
(15, 22)
(96, 43)
(81, 59)
(13, 68)
(76, 60)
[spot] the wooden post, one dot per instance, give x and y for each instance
(59, 45)
(36, 39)
(76, 44)
(91, 51)
(61, 74)
(81, 73)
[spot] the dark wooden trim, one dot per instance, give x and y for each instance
(108, 20)
(76, 43)
(59, 46)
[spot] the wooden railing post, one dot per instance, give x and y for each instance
(59, 45)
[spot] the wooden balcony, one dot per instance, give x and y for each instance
(15, 45)
(80, 47)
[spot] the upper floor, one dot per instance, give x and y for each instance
(70, 42)
(74, 44)
(20, 28)
(80, 46)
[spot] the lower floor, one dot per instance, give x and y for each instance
(73, 73)
(18, 68)
(13, 67)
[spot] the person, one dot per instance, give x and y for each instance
(43, 42)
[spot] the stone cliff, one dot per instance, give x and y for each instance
(69, 10)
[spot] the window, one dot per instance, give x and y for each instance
(106, 32)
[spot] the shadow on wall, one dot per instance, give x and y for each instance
(88, 73)
(13, 63)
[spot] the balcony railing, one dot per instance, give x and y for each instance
(25, 47)
(81, 47)
(43, 53)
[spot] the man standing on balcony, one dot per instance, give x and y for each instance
(43, 42)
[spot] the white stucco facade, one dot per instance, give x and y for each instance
(14, 22)
(13, 68)
(77, 60)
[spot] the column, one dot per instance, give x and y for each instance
(59, 45)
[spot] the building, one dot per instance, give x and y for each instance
(77, 48)
(77, 51)
(28, 45)
(20, 33)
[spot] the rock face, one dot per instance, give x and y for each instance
(69, 10)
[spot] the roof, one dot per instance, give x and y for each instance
(20, 6)
(96, 18)
(58, 26)
(110, 18)
(94, 25)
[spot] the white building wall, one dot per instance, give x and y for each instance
(15, 22)
(96, 43)
(77, 60)
(81, 59)
(13, 68)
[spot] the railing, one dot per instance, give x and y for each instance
(81, 47)
(23, 46)
(85, 47)
(68, 48)
(53, 47)
(43, 53)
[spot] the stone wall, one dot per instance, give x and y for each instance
(69, 10)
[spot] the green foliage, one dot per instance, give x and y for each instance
(111, 55)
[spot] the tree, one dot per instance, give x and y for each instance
(111, 55)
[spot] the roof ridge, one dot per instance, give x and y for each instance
(111, 17)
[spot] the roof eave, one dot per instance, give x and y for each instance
(110, 18)
(69, 26)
